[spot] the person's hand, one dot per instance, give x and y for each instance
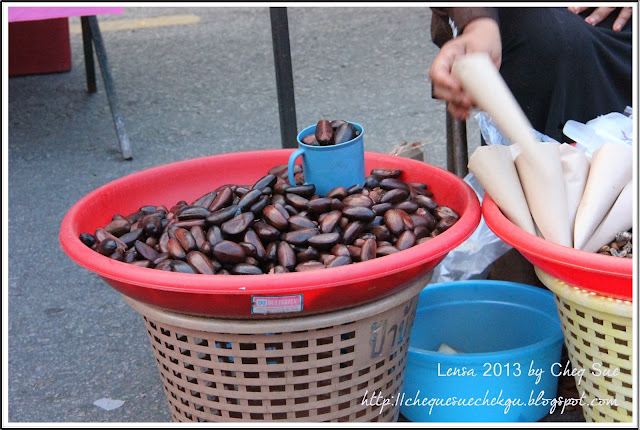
(601, 13)
(480, 35)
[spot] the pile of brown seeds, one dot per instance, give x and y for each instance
(274, 227)
(622, 245)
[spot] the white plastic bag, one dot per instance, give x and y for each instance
(472, 258)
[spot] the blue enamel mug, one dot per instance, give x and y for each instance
(330, 166)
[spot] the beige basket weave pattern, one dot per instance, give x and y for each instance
(598, 334)
(316, 368)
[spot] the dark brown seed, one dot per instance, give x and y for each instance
(386, 173)
(307, 255)
(337, 193)
(354, 252)
(107, 247)
(249, 249)
(381, 208)
(200, 263)
(340, 260)
(306, 191)
(406, 240)
(88, 239)
(393, 183)
(269, 180)
(358, 200)
(445, 223)
(352, 231)
(279, 170)
(238, 224)
(228, 252)
(131, 237)
(420, 232)
(146, 251)
(282, 209)
(286, 256)
(344, 133)
(324, 241)
(275, 217)
(249, 199)
(134, 217)
(406, 219)
(310, 140)
(259, 206)
(309, 265)
(369, 250)
(300, 237)
(152, 225)
(214, 235)
(188, 224)
(151, 241)
(340, 249)
(175, 249)
(118, 254)
(246, 269)
(186, 239)
(360, 213)
(149, 209)
(298, 222)
(223, 199)
(280, 188)
(355, 189)
(182, 267)
(394, 195)
(372, 181)
(222, 215)
(206, 248)
(426, 202)
(118, 227)
(324, 132)
(386, 250)
(290, 210)
(192, 212)
(337, 123)
(443, 211)
(381, 232)
(142, 263)
(319, 205)
(330, 221)
(272, 251)
(130, 255)
(160, 258)
(296, 200)
(394, 221)
(252, 237)
(206, 200)
(198, 235)
(266, 232)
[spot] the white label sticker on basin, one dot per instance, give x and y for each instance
(276, 304)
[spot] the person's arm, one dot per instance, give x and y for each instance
(475, 30)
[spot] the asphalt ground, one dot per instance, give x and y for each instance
(192, 81)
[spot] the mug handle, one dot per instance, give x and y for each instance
(292, 160)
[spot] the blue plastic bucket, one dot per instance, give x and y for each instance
(510, 342)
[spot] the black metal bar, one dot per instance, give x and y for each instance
(284, 76)
(457, 152)
(125, 146)
(88, 55)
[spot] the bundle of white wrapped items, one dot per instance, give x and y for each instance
(551, 190)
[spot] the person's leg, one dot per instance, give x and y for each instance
(560, 68)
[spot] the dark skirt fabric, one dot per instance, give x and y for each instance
(559, 67)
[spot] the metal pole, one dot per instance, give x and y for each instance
(284, 76)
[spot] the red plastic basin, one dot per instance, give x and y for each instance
(604, 275)
(231, 296)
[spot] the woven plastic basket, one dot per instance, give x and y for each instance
(336, 366)
(598, 334)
